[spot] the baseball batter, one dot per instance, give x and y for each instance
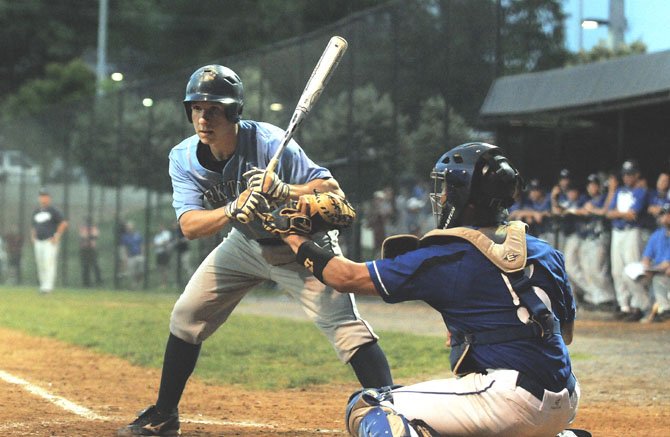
(221, 165)
(504, 297)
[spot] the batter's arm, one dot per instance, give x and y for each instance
(202, 223)
(341, 273)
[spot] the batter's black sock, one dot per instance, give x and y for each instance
(370, 365)
(178, 364)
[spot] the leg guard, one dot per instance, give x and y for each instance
(370, 413)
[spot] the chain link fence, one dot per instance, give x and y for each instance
(392, 107)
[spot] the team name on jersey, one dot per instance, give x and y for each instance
(220, 194)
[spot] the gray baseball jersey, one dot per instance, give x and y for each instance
(249, 255)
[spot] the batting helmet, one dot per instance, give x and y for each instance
(476, 174)
(216, 83)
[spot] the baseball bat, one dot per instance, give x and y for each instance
(322, 73)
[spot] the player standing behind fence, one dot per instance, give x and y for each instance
(218, 164)
(504, 297)
(48, 226)
(626, 211)
(594, 253)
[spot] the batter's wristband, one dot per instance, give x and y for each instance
(314, 258)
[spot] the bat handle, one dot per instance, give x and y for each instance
(272, 165)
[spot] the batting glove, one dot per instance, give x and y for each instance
(267, 182)
(246, 205)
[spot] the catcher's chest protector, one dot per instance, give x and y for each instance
(505, 247)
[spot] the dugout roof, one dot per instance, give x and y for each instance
(604, 86)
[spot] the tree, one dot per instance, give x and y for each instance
(602, 51)
(532, 35)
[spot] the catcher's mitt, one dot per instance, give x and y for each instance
(312, 213)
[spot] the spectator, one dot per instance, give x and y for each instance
(184, 264)
(536, 212)
(162, 248)
(14, 248)
(656, 260)
(660, 196)
(48, 226)
(3, 260)
(132, 241)
(595, 234)
(88, 252)
(559, 203)
(380, 217)
(568, 211)
(415, 208)
(625, 212)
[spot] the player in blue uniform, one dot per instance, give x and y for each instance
(656, 256)
(627, 214)
(504, 297)
(217, 180)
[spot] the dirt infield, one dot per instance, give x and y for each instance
(53, 389)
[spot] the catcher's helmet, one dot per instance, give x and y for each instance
(216, 83)
(477, 174)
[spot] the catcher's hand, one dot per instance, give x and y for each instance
(267, 182)
(312, 213)
(248, 204)
(286, 221)
(327, 211)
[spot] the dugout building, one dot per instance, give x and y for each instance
(587, 118)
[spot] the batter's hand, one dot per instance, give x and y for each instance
(267, 182)
(246, 206)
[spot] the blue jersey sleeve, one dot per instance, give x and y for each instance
(410, 277)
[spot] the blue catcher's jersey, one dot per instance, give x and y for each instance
(194, 186)
(469, 291)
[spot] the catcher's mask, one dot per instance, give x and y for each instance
(216, 83)
(472, 173)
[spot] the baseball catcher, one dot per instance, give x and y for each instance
(504, 296)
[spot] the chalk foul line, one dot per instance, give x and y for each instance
(56, 400)
(90, 415)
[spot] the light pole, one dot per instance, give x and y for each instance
(118, 77)
(148, 103)
(595, 23)
(616, 24)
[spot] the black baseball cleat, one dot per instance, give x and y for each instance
(152, 422)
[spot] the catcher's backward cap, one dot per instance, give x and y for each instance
(43, 192)
(630, 167)
(216, 83)
(593, 178)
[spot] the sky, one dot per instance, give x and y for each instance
(647, 21)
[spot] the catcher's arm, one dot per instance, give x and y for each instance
(321, 185)
(340, 273)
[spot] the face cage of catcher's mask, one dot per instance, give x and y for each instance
(438, 196)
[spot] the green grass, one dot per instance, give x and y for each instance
(250, 351)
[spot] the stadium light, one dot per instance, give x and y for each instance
(276, 107)
(117, 77)
(148, 102)
(593, 23)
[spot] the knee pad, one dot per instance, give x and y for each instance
(370, 413)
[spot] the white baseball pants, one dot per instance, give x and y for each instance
(46, 256)
(486, 405)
